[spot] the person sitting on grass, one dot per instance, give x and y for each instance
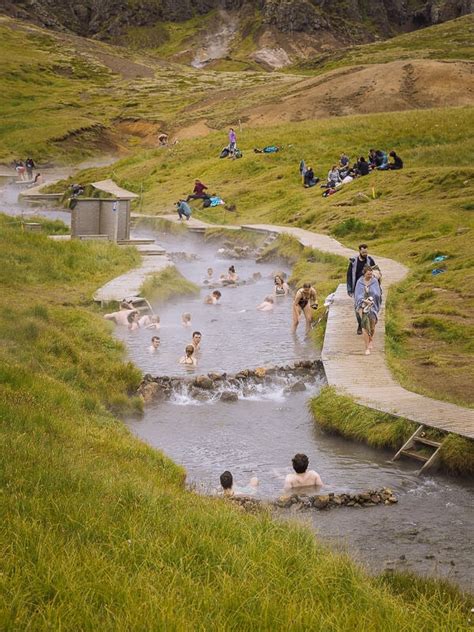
(198, 191)
(267, 304)
(155, 343)
(269, 149)
(381, 160)
(309, 178)
(213, 299)
(334, 177)
(188, 359)
(302, 477)
(397, 161)
(362, 167)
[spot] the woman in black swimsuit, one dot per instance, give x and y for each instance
(304, 302)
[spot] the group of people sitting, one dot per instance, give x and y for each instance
(343, 172)
(302, 477)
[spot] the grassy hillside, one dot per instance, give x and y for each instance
(449, 41)
(413, 216)
(64, 98)
(97, 530)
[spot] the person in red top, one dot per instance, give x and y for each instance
(198, 191)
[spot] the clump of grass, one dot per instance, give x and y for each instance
(168, 283)
(341, 415)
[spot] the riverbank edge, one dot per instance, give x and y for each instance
(340, 414)
(331, 410)
(96, 512)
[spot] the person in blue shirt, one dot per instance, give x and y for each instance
(184, 210)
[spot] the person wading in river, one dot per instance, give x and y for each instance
(196, 341)
(354, 272)
(155, 343)
(305, 302)
(188, 358)
(302, 477)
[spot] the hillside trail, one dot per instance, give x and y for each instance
(367, 379)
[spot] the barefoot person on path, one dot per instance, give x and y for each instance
(305, 302)
(367, 299)
(354, 272)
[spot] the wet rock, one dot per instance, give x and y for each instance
(320, 502)
(202, 381)
(296, 387)
(260, 371)
(215, 377)
(284, 502)
(151, 391)
(229, 396)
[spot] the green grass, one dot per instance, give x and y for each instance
(411, 216)
(98, 531)
(450, 41)
(340, 414)
(162, 286)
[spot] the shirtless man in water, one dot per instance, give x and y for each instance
(304, 302)
(196, 341)
(302, 477)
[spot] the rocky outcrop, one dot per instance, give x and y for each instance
(108, 19)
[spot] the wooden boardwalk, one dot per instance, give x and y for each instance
(367, 378)
(129, 284)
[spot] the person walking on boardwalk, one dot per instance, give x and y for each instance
(354, 272)
(368, 299)
(305, 302)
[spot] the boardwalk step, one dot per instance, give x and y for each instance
(416, 455)
(430, 442)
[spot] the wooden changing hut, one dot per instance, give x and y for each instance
(103, 218)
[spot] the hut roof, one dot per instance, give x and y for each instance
(109, 186)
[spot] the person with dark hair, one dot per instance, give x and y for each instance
(368, 299)
(354, 272)
(397, 161)
(302, 477)
(232, 276)
(155, 343)
(30, 165)
(184, 210)
(227, 481)
(362, 167)
(132, 319)
(227, 484)
(196, 341)
(304, 302)
(381, 160)
(281, 287)
(372, 158)
(198, 192)
(213, 298)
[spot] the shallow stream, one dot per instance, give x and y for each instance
(428, 531)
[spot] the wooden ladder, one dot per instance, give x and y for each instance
(409, 449)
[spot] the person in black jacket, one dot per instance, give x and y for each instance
(354, 272)
(397, 161)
